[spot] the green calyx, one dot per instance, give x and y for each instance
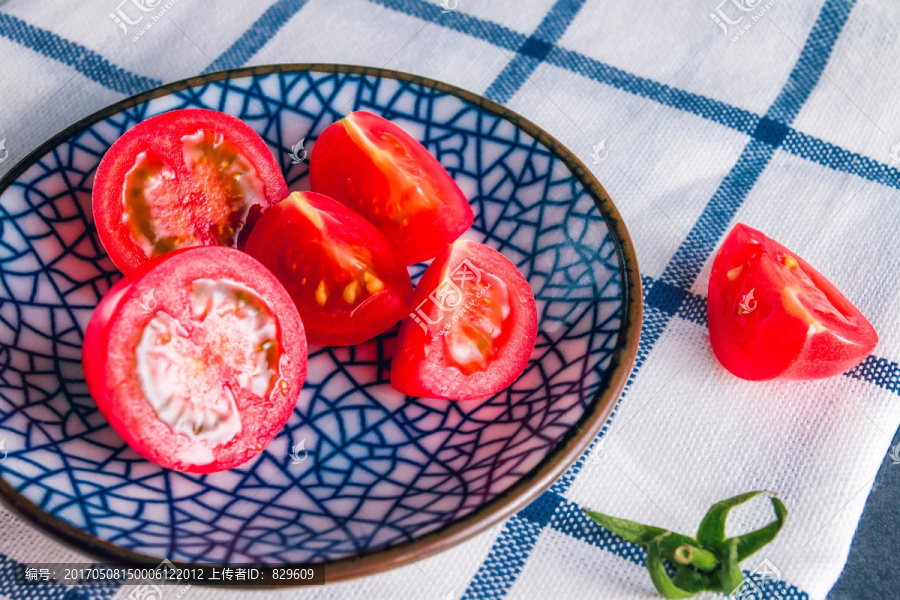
(709, 562)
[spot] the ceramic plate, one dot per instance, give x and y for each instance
(361, 479)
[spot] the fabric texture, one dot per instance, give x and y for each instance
(694, 116)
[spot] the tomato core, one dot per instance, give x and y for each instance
(471, 329)
(209, 207)
(476, 330)
(189, 370)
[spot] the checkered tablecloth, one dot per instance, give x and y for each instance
(781, 114)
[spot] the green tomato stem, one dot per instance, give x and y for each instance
(697, 557)
(711, 562)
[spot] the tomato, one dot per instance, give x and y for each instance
(184, 178)
(196, 358)
(773, 316)
(384, 174)
(348, 280)
(472, 329)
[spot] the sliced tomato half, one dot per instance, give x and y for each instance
(472, 328)
(348, 280)
(196, 358)
(773, 316)
(384, 174)
(184, 178)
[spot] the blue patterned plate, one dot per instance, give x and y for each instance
(361, 479)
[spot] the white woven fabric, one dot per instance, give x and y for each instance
(677, 103)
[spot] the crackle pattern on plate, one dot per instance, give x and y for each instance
(358, 467)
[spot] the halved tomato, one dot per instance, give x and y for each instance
(384, 174)
(348, 280)
(773, 316)
(196, 358)
(472, 329)
(184, 178)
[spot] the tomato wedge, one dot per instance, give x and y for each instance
(348, 280)
(472, 329)
(773, 316)
(196, 358)
(184, 178)
(384, 174)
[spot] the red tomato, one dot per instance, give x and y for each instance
(183, 178)
(196, 358)
(348, 280)
(384, 174)
(773, 316)
(472, 329)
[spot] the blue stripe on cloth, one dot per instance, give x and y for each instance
(512, 77)
(493, 579)
(505, 560)
(707, 108)
(82, 59)
(811, 64)
(797, 143)
(701, 240)
(487, 31)
(534, 50)
(880, 371)
(262, 30)
(831, 156)
(769, 134)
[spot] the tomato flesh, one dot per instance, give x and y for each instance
(773, 316)
(474, 340)
(380, 171)
(348, 281)
(472, 328)
(196, 359)
(181, 179)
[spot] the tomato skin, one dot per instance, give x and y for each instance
(296, 240)
(162, 136)
(109, 358)
(795, 324)
(422, 365)
(393, 181)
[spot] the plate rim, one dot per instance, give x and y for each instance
(504, 504)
